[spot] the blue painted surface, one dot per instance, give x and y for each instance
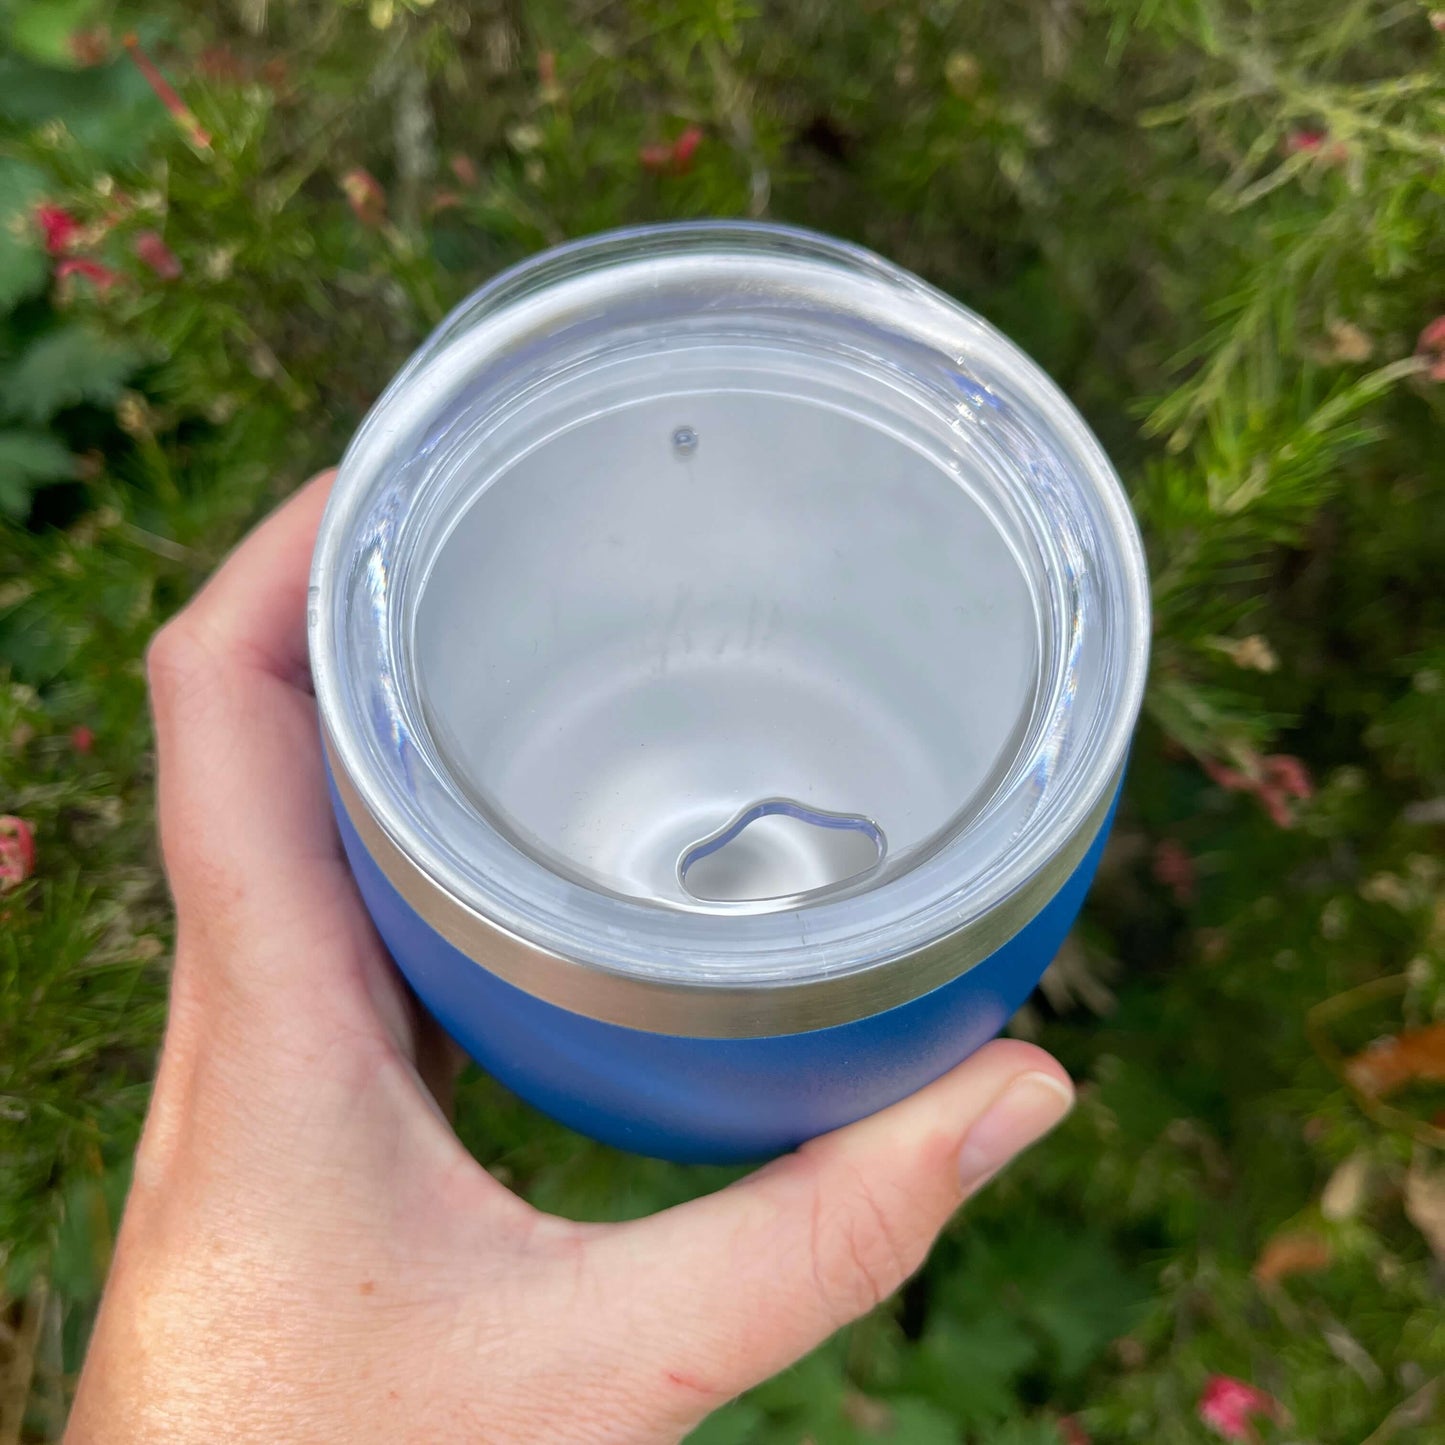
(711, 1100)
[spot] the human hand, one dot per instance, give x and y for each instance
(309, 1254)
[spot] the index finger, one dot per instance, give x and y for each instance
(254, 607)
(243, 806)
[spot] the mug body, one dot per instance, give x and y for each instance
(727, 649)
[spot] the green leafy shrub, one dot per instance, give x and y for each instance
(1221, 225)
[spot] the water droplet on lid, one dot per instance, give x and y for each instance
(684, 441)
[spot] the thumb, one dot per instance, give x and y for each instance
(744, 1282)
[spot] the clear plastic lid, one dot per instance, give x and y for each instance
(721, 606)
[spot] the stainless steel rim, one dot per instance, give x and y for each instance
(708, 1012)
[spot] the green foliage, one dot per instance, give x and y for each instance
(1220, 225)
(22, 261)
(66, 367)
(42, 29)
(27, 459)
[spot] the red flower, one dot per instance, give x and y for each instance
(1284, 777)
(685, 147)
(1230, 779)
(1274, 780)
(547, 69)
(82, 739)
(675, 158)
(1274, 804)
(1071, 1432)
(101, 277)
(1290, 775)
(1174, 868)
(154, 253)
(1432, 345)
(59, 228)
(1228, 1406)
(1314, 142)
(444, 200)
(17, 852)
(167, 95)
(365, 196)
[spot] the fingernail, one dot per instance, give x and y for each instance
(1026, 1110)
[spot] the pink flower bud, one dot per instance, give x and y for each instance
(17, 852)
(1173, 867)
(1275, 804)
(1432, 345)
(101, 277)
(154, 252)
(166, 93)
(1230, 779)
(1274, 780)
(684, 148)
(1315, 142)
(58, 227)
(1228, 1406)
(675, 158)
(365, 196)
(1289, 774)
(464, 168)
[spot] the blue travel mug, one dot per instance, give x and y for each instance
(727, 649)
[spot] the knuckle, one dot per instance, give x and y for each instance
(179, 662)
(861, 1251)
(172, 657)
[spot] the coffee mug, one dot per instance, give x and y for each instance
(727, 649)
